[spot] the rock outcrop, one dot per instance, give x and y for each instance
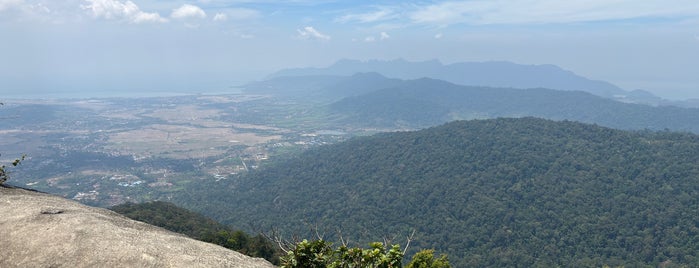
(42, 230)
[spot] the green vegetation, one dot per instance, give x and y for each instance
(316, 253)
(321, 254)
(502, 192)
(425, 259)
(3, 172)
(176, 219)
(498, 193)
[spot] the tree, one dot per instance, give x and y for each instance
(3, 171)
(425, 259)
(319, 253)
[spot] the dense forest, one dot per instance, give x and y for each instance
(501, 192)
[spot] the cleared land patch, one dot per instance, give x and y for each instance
(181, 142)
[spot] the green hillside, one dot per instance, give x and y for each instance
(370, 100)
(504, 192)
(428, 102)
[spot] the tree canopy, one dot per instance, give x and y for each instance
(501, 192)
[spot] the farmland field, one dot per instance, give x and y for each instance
(109, 151)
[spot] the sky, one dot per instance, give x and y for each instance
(89, 47)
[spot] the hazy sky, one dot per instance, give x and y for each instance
(207, 45)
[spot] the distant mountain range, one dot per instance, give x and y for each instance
(372, 100)
(490, 193)
(491, 74)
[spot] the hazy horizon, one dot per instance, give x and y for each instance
(151, 46)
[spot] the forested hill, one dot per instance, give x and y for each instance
(427, 102)
(504, 192)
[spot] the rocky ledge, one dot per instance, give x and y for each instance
(42, 230)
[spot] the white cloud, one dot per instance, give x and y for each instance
(384, 36)
(309, 32)
(220, 17)
(27, 11)
(549, 11)
(188, 11)
(438, 36)
(375, 16)
(116, 10)
(369, 39)
(8, 4)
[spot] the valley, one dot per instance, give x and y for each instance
(109, 151)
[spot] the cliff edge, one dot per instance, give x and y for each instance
(42, 230)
